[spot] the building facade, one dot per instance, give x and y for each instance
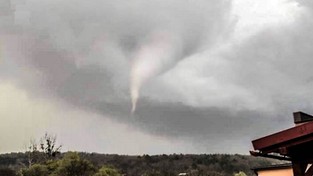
(275, 170)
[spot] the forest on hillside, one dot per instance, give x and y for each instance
(90, 164)
(46, 159)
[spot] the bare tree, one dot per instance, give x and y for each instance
(45, 150)
(31, 152)
(48, 145)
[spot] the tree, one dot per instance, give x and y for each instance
(7, 171)
(73, 165)
(107, 171)
(70, 165)
(240, 174)
(35, 170)
(48, 145)
(32, 153)
(45, 150)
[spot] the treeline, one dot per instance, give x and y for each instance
(67, 164)
(90, 164)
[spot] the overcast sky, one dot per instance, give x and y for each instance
(163, 76)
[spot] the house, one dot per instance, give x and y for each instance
(293, 144)
(274, 170)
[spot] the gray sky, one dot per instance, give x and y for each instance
(210, 76)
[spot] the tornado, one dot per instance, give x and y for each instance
(159, 52)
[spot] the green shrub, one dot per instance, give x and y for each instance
(107, 171)
(72, 165)
(35, 170)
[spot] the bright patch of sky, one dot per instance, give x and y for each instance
(24, 119)
(254, 16)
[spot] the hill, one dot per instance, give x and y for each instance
(163, 165)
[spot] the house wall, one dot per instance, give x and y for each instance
(276, 172)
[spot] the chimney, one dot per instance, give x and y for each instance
(301, 118)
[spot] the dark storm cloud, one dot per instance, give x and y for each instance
(80, 51)
(58, 38)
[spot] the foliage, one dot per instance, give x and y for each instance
(240, 174)
(5, 171)
(107, 171)
(149, 165)
(72, 165)
(35, 170)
